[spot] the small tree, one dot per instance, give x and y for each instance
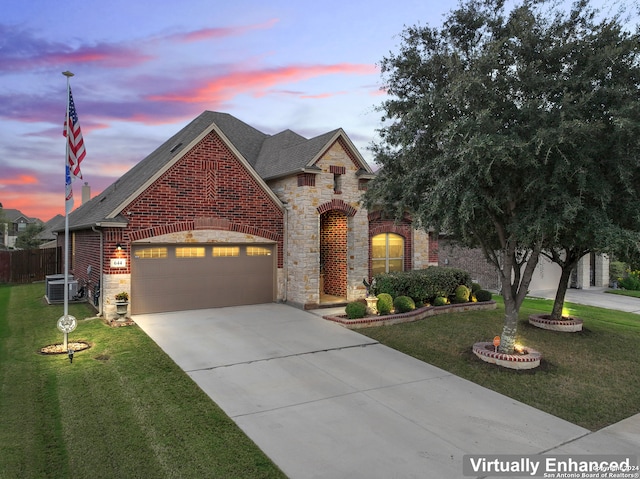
(489, 119)
(29, 237)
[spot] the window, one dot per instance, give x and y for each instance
(337, 183)
(387, 250)
(151, 253)
(226, 251)
(258, 251)
(190, 252)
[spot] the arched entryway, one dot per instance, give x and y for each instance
(333, 257)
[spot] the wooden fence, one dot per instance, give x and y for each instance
(29, 265)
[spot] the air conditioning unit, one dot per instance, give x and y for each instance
(55, 290)
(54, 277)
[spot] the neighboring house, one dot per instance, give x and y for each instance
(16, 222)
(49, 234)
(592, 269)
(222, 214)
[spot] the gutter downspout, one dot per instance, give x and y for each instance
(101, 307)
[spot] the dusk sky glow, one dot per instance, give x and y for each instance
(144, 69)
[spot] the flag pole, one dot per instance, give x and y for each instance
(68, 74)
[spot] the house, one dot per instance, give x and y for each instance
(223, 214)
(592, 270)
(16, 223)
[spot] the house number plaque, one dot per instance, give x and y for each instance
(119, 262)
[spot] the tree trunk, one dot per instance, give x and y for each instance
(509, 329)
(558, 304)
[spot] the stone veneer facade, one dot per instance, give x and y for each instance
(303, 227)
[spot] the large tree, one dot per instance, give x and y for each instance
(493, 115)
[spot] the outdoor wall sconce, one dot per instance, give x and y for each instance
(118, 247)
(70, 352)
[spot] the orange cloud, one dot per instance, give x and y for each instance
(224, 88)
(20, 180)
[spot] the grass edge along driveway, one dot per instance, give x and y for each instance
(591, 378)
(123, 408)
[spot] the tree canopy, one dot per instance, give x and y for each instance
(507, 129)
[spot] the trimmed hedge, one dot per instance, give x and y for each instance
(404, 304)
(385, 304)
(440, 301)
(356, 310)
(462, 294)
(423, 285)
(483, 295)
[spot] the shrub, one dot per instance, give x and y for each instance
(631, 282)
(356, 309)
(423, 285)
(483, 295)
(404, 304)
(462, 294)
(617, 270)
(475, 287)
(440, 301)
(385, 303)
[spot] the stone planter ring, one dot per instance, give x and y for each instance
(527, 359)
(566, 325)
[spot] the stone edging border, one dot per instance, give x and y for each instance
(529, 360)
(415, 315)
(571, 325)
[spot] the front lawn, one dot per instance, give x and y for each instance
(123, 408)
(624, 292)
(591, 378)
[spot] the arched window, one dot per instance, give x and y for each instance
(387, 251)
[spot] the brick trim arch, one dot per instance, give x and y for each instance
(377, 215)
(339, 205)
(203, 223)
(401, 230)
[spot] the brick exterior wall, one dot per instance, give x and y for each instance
(84, 245)
(333, 252)
(208, 182)
(208, 193)
(470, 260)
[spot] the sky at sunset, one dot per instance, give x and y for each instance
(145, 68)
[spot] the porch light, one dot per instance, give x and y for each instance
(118, 247)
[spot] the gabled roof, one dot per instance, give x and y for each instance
(54, 224)
(269, 156)
(13, 215)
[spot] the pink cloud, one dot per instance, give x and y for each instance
(224, 88)
(324, 95)
(209, 33)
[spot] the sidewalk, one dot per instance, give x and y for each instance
(594, 297)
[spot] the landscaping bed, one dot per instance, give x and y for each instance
(415, 315)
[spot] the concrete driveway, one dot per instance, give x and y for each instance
(326, 402)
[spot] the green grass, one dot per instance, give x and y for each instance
(624, 292)
(591, 378)
(121, 409)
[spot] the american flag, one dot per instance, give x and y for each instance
(76, 143)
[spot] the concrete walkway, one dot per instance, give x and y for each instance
(594, 297)
(326, 402)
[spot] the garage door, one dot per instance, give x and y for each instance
(182, 277)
